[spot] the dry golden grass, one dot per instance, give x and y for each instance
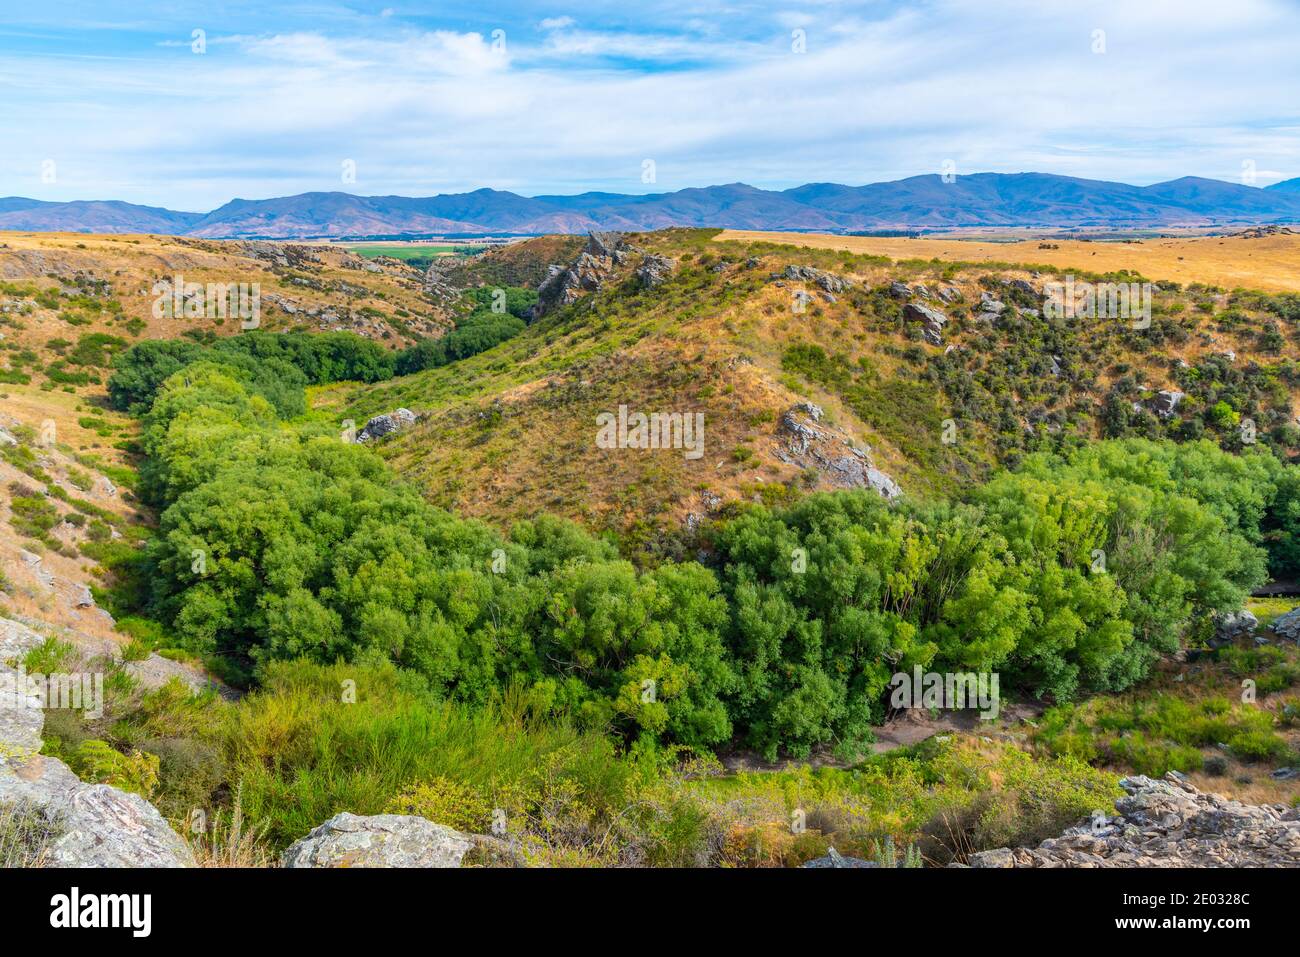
(230, 841)
(1271, 263)
(510, 433)
(132, 264)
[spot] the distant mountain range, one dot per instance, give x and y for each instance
(978, 200)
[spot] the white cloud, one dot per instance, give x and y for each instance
(1185, 87)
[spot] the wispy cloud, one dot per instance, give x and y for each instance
(548, 100)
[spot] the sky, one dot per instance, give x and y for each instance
(191, 104)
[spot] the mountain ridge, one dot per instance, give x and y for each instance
(926, 201)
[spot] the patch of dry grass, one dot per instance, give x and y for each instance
(1270, 263)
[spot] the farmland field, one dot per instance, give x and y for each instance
(1270, 263)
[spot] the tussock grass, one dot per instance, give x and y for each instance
(26, 833)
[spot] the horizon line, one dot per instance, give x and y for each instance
(493, 189)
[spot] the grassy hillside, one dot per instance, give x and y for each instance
(512, 431)
(509, 670)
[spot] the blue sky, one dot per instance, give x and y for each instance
(110, 100)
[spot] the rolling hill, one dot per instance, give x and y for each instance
(765, 339)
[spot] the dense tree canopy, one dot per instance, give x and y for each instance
(1068, 575)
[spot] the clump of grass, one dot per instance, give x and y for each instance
(26, 835)
(52, 656)
(229, 841)
(1160, 733)
(943, 800)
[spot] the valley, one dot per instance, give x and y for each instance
(907, 459)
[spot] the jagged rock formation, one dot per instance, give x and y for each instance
(1167, 823)
(932, 321)
(655, 270)
(990, 308)
(384, 840)
(828, 282)
(285, 255)
(807, 443)
(94, 825)
(386, 424)
(835, 859)
(594, 265)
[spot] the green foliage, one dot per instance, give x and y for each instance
(941, 800)
(1069, 574)
(303, 753)
(31, 514)
(100, 763)
(96, 349)
(51, 656)
(26, 833)
(477, 333)
(308, 548)
(274, 365)
(1159, 733)
(1122, 545)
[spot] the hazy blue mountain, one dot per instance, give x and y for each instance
(82, 216)
(980, 199)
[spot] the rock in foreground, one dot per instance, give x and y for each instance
(384, 840)
(1167, 823)
(92, 825)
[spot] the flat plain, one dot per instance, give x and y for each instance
(1270, 263)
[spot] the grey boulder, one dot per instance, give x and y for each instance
(386, 424)
(93, 825)
(1234, 626)
(384, 840)
(655, 270)
(1288, 625)
(932, 321)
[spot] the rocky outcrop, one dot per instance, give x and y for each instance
(932, 321)
(1167, 823)
(655, 270)
(828, 282)
(989, 308)
(808, 443)
(386, 424)
(93, 825)
(284, 255)
(1231, 627)
(1288, 625)
(384, 840)
(588, 273)
(1166, 402)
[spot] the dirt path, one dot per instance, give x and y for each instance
(908, 728)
